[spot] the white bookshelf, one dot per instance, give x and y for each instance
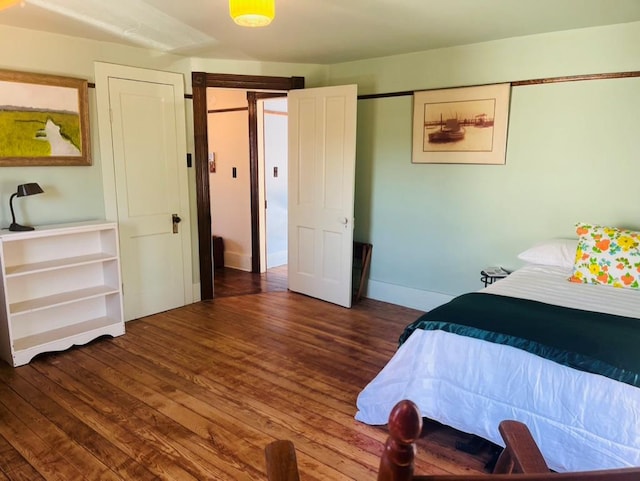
(61, 287)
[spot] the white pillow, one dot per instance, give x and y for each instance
(553, 252)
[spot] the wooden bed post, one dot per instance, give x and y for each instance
(405, 426)
(521, 454)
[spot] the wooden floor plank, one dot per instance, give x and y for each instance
(321, 382)
(13, 466)
(276, 414)
(182, 418)
(95, 444)
(77, 456)
(26, 439)
(118, 406)
(198, 392)
(243, 399)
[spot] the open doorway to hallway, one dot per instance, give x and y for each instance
(229, 173)
(200, 82)
(273, 245)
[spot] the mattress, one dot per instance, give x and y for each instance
(549, 284)
(581, 421)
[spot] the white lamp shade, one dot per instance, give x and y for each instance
(252, 13)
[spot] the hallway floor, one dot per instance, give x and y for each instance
(229, 282)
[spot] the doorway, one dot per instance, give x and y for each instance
(229, 178)
(136, 107)
(200, 82)
(272, 123)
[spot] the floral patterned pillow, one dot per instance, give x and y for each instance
(608, 256)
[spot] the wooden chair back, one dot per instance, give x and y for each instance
(521, 460)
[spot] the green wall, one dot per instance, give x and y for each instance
(76, 193)
(573, 154)
(572, 150)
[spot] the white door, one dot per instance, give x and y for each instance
(143, 149)
(322, 154)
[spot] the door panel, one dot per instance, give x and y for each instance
(322, 129)
(146, 150)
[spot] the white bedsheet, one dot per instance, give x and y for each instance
(549, 284)
(580, 420)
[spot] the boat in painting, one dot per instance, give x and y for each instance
(450, 131)
(482, 120)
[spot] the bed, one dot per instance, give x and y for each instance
(582, 404)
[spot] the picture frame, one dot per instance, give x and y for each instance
(463, 125)
(44, 120)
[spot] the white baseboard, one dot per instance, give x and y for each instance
(405, 296)
(275, 259)
(236, 260)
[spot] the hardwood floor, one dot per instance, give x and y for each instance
(233, 282)
(196, 393)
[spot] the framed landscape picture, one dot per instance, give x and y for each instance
(44, 120)
(466, 125)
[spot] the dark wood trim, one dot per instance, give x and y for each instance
(254, 158)
(201, 147)
(270, 95)
(576, 78)
(200, 81)
(518, 83)
(224, 111)
(251, 82)
(253, 181)
(386, 95)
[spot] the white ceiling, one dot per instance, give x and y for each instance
(313, 31)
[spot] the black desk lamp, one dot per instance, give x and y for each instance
(23, 191)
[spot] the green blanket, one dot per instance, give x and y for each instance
(589, 341)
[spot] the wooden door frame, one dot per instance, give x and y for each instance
(200, 81)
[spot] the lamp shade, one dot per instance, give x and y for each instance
(23, 190)
(29, 189)
(252, 13)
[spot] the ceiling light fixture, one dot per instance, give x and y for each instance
(8, 3)
(252, 13)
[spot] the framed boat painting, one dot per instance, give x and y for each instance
(465, 125)
(44, 120)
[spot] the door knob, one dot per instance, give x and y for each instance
(344, 221)
(175, 219)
